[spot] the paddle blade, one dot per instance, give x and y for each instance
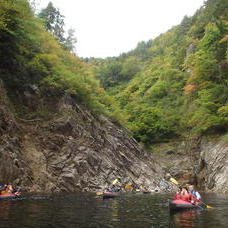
(115, 181)
(99, 193)
(174, 181)
(209, 206)
(128, 187)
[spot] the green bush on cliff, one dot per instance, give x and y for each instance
(224, 139)
(31, 55)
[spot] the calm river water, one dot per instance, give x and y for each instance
(86, 210)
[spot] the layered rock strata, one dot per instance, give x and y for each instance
(73, 151)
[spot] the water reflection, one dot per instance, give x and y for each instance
(137, 211)
(115, 210)
(4, 210)
(85, 210)
(185, 218)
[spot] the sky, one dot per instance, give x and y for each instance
(107, 28)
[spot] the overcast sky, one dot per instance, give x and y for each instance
(110, 27)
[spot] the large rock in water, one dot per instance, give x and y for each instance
(72, 152)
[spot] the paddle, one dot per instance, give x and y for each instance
(99, 193)
(115, 181)
(207, 206)
(128, 187)
(176, 182)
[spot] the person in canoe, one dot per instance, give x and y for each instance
(183, 194)
(8, 189)
(192, 190)
(3, 189)
(113, 188)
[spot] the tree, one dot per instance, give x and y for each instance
(53, 22)
(130, 68)
(70, 41)
(109, 74)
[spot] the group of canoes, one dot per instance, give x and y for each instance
(116, 189)
(186, 198)
(116, 193)
(108, 194)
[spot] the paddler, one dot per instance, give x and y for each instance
(194, 192)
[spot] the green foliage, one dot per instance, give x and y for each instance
(158, 90)
(130, 67)
(200, 124)
(70, 41)
(178, 82)
(164, 88)
(204, 67)
(109, 74)
(223, 115)
(224, 139)
(31, 55)
(53, 21)
(150, 124)
(16, 43)
(141, 51)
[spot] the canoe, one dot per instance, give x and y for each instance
(178, 205)
(146, 192)
(108, 195)
(10, 196)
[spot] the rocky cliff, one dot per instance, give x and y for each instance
(202, 161)
(213, 165)
(71, 151)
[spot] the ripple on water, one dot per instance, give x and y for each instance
(85, 210)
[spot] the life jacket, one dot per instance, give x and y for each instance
(196, 194)
(4, 192)
(177, 196)
(194, 199)
(193, 192)
(187, 197)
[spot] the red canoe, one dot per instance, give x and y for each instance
(176, 205)
(10, 196)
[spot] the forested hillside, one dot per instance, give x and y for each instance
(36, 55)
(174, 85)
(177, 84)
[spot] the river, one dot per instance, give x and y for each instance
(87, 210)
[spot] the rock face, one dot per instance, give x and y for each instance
(214, 166)
(76, 151)
(203, 162)
(180, 159)
(13, 166)
(73, 151)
